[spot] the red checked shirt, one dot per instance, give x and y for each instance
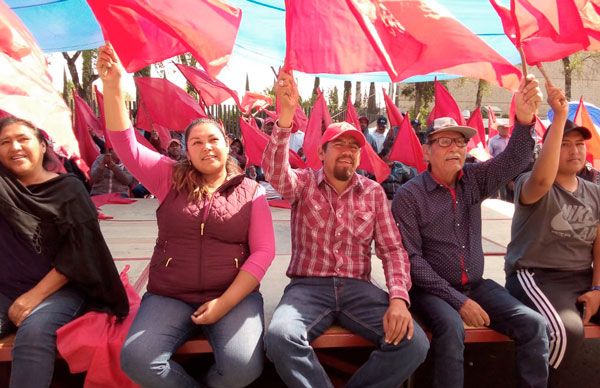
(332, 233)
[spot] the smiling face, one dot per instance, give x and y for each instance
(21, 151)
(572, 153)
(207, 149)
(445, 162)
(340, 157)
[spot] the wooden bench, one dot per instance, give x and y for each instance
(334, 337)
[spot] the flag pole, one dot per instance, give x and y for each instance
(543, 71)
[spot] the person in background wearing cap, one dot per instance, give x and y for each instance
(555, 238)
(496, 145)
(174, 150)
(439, 216)
(268, 126)
(380, 133)
(364, 127)
(336, 215)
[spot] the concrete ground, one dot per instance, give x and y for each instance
(132, 232)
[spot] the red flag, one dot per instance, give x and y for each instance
(393, 36)
(252, 101)
(255, 142)
(407, 148)
(540, 129)
(582, 118)
(145, 32)
(300, 119)
(392, 110)
(84, 121)
(319, 118)
(211, 90)
(589, 10)
(100, 102)
(26, 89)
(445, 105)
(369, 160)
(548, 30)
(492, 125)
(175, 115)
(477, 145)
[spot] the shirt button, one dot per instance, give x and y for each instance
(336, 251)
(338, 234)
(463, 247)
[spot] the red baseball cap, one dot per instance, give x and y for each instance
(336, 130)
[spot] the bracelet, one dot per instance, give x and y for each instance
(595, 288)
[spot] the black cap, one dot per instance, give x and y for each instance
(569, 127)
(381, 120)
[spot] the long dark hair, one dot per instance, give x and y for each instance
(186, 178)
(50, 161)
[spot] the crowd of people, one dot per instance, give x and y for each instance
(216, 242)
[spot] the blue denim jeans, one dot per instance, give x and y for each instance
(163, 324)
(311, 305)
(507, 315)
(34, 350)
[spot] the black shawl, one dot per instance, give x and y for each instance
(58, 219)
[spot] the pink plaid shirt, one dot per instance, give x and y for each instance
(332, 234)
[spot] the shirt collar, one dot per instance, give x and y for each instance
(431, 182)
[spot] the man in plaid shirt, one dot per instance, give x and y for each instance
(336, 215)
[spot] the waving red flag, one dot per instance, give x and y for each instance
(255, 142)
(252, 101)
(393, 113)
(100, 102)
(492, 125)
(84, 121)
(548, 30)
(26, 89)
(319, 119)
(393, 36)
(407, 148)
(175, 115)
(589, 10)
(145, 31)
(369, 160)
(477, 145)
(211, 90)
(445, 105)
(582, 118)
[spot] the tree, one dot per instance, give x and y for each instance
(82, 85)
(358, 96)
(333, 101)
(573, 67)
(247, 83)
(568, 71)
(188, 60)
(422, 92)
(372, 104)
(397, 95)
(483, 88)
(347, 91)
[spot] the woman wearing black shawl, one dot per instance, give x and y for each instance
(54, 262)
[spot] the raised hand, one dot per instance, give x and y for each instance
(557, 100)
(528, 99)
(286, 92)
(109, 66)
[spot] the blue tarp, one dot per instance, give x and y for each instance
(68, 25)
(593, 110)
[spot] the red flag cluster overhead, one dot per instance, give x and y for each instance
(211, 91)
(547, 30)
(148, 31)
(394, 35)
(252, 101)
(26, 89)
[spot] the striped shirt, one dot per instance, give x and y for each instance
(332, 233)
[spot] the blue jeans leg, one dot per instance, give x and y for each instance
(447, 344)
(526, 327)
(34, 351)
(362, 307)
(237, 342)
(160, 327)
(305, 311)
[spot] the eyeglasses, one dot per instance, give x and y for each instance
(447, 141)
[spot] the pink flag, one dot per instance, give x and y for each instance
(582, 118)
(369, 160)
(145, 32)
(85, 121)
(26, 89)
(445, 105)
(166, 104)
(211, 90)
(407, 148)
(255, 142)
(589, 10)
(252, 101)
(393, 113)
(492, 125)
(100, 102)
(319, 120)
(540, 129)
(393, 36)
(477, 145)
(548, 30)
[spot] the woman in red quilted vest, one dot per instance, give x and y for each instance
(215, 243)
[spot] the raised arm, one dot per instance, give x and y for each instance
(110, 72)
(546, 166)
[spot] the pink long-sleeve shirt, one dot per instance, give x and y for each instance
(155, 172)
